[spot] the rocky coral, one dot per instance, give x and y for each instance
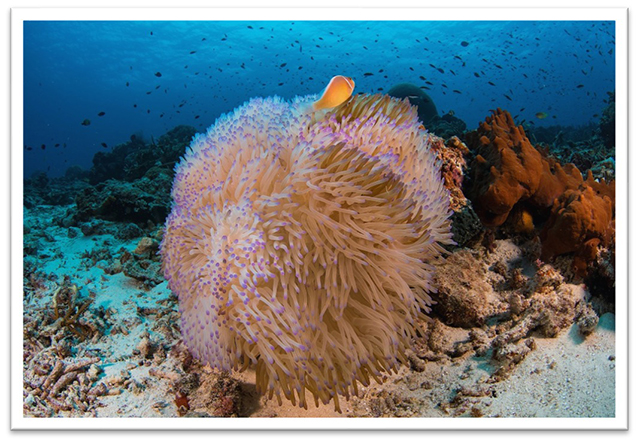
(145, 199)
(40, 189)
(463, 291)
(465, 224)
(508, 171)
(580, 221)
(447, 125)
(132, 160)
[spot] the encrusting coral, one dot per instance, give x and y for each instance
(508, 171)
(300, 242)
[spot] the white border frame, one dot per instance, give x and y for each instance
(619, 15)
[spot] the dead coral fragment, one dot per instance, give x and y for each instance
(462, 290)
(67, 310)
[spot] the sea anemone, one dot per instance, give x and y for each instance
(300, 242)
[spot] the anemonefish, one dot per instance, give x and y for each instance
(337, 91)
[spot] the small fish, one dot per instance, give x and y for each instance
(580, 86)
(541, 115)
(86, 122)
(337, 91)
(127, 83)
(464, 43)
(192, 52)
(104, 145)
(43, 146)
(158, 74)
(367, 74)
(101, 113)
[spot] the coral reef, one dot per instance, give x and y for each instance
(508, 171)
(580, 221)
(145, 199)
(465, 224)
(301, 243)
(607, 123)
(132, 160)
(42, 190)
(104, 336)
(447, 126)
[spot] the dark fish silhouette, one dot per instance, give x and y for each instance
(464, 43)
(86, 122)
(104, 145)
(101, 113)
(158, 74)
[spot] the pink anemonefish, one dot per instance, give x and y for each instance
(337, 91)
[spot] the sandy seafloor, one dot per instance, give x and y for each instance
(123, 357)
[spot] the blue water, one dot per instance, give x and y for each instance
(75, 70)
